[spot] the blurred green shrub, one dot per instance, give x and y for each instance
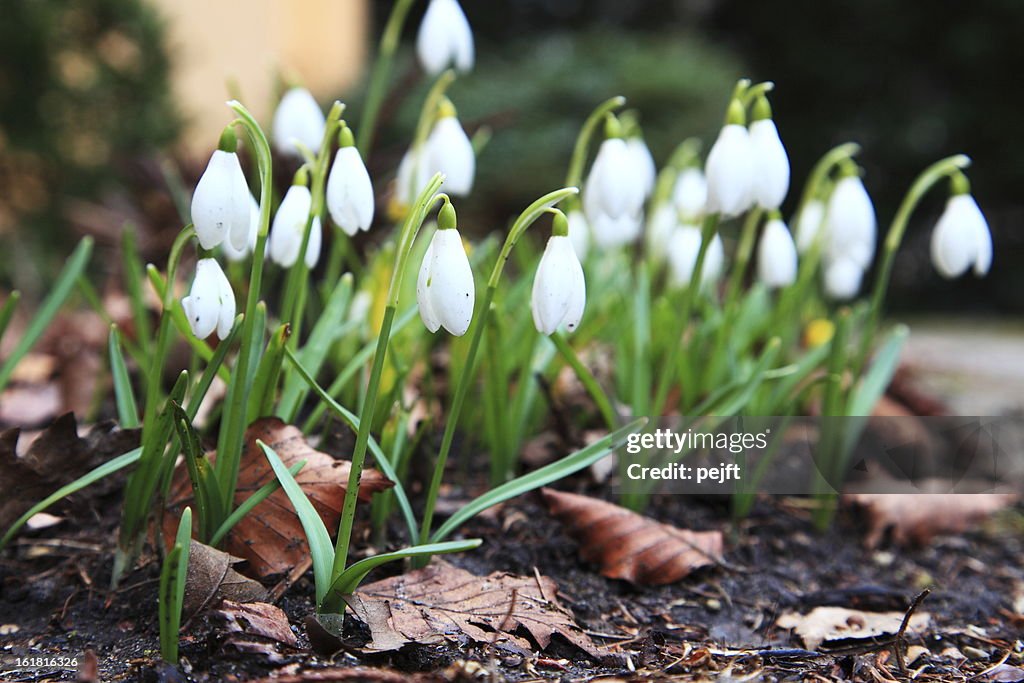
(83, 91)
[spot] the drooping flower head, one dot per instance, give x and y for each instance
(559, 287)
(614, 193)
(298, 121)
(220, 204)
(809, 224)
(690, 194)
(450, 151)
(289, 226)
(683, 251)
(850, 221)
(776, 255)
(730, 166)
(349, 192)
(210, 305)
(235, 255)
(771, 163)
(445, 290)
(445, 38)
(961, 239)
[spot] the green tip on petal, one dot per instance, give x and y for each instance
(228, 140)
(612, 127)
(345, 137)
(736, 114)
(446, 109)
(301, 177)
(848, 169)
(446, 218)
(559, 224)
(959, 184)
(762, 110)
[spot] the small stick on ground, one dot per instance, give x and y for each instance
(903, 629)
(503, 626)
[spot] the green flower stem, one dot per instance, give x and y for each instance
(744, 252)
(380, 74)
(233, 425)
(668, 371)
(413, 222)
(295, 286)
(932, 175)
(586, 377)
(525, 220)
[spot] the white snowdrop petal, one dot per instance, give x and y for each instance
(809, 224)
(842, 279)
(450, 151)
(450, 285)
(349, 192)
(683, 247)
(730, 172)
(225, 302)
(643, 164)
(423, 299)
(289, 225)
(220, 204)
(616, 189)
(298, 119)
(202, 305)
(850, 223)
(554, 283)
(714, 260)
(771, 177)
(690, 193)
(579, 233)
(444, 38)
(777, 259)
(610, 233)
(316, 238)
(660, 225)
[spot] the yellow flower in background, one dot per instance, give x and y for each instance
(818, 332)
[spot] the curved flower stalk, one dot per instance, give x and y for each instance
(210, 305)
(298, 123)
(289, 227)
(444, 289)
(349, 197)
(559, 288)
(771, 163)
(220, 204)
(776, 256)
(445, 38)
(961, 239)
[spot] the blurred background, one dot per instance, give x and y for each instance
(106, 106)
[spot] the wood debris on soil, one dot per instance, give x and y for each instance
(630, 546)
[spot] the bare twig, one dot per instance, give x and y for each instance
(903, 629)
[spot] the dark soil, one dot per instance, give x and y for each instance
(54, 602)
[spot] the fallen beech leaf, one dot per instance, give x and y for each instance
(831, 624)
(630, 546)
(257, 619)
(30, 404)
(211, 578)
(1005, 673)
(442, 602)
(57, 456)
(917, 517)
(270, 538)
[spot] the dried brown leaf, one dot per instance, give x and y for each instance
(210, 578)
(270, 538)
(258, 619)
(915, 518)
(57, 456)
(356, 675)
(630, 546)
(832, 624)
(444, 602)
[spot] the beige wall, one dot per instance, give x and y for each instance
(320, 43)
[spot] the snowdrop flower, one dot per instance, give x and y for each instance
(559, 288)
(235, 255)
(298, 121)
(289, 227)
(579, 233)
(683, 249)
(349, 191)
(610, 233)
(771, 163)
(444, 289)
(690, 193)
(210, 305)
(613, 187)
(961, 239)
(412, 177)
(450, 151)
(809, 224)
(842, 279)
(643, 163)
(220, 204)
(850, 223)
(776, 255)
(660, 226)
(730, 167)
(445, 38)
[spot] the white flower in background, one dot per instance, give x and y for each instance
(809, 224)
(450, 151)
(289, 226)
(776, 255)
(842, 279)
(771, 164)
(850, 223)
(412, 177)
(660, 226)
(683, 249)
(579, 233)
(210, 305)
(235, 255)
(643, 163)
(559, 288)
(349, 191)
(445, 38)
(220, 204)
(444, 289)
(730, 171)
(613, 188)
(961, 239)
(298, 120)
(610, 233)
(690, 193)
